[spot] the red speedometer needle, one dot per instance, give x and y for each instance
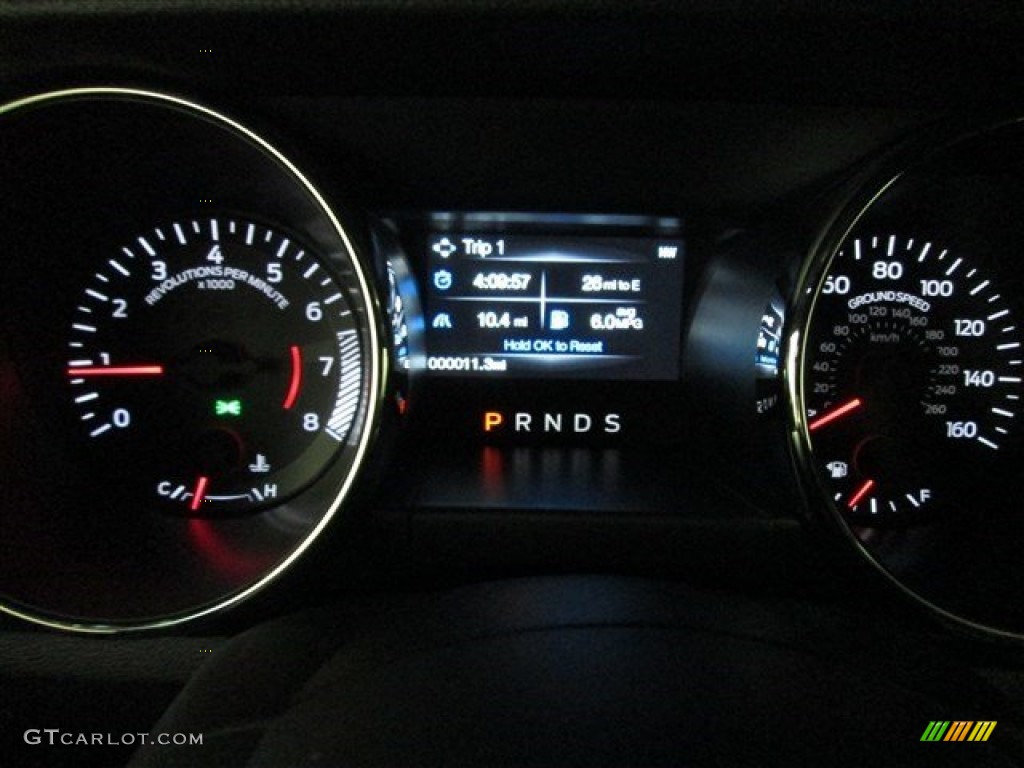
(836, 413)
(863, 491)
(199, 493)
(116, 370)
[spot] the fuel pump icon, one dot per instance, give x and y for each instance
(838, 469)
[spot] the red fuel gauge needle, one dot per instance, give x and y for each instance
(116, 370)
(835, 413)
(863, 491)
(199, 493)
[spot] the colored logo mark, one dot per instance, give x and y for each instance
(958, 730)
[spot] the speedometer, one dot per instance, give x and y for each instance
(912, 377)
(904, 367)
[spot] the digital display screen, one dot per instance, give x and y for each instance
(558, 306)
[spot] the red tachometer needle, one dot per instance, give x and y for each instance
(119, 370)
(835, 413)
(199, 493)
(863, 491)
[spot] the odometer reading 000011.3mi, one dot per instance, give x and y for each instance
(911, 378)
(215, 363)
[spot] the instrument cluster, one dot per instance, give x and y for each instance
(208, 358)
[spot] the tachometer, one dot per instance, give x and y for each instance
(194, 367)
(912, 376)
(215, 362)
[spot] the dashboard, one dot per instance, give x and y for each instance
(546, 383)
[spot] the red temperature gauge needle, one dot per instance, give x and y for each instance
(836, 413)
(118, 370)
(199, 493)
(863, 491)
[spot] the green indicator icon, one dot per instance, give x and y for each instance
(227, 407)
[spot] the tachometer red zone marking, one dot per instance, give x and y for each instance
(120, 370)
(296, 382)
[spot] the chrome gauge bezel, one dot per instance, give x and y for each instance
(855, 201)
(321, 502)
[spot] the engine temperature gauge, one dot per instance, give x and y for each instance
(911, 378)
(215, 364)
